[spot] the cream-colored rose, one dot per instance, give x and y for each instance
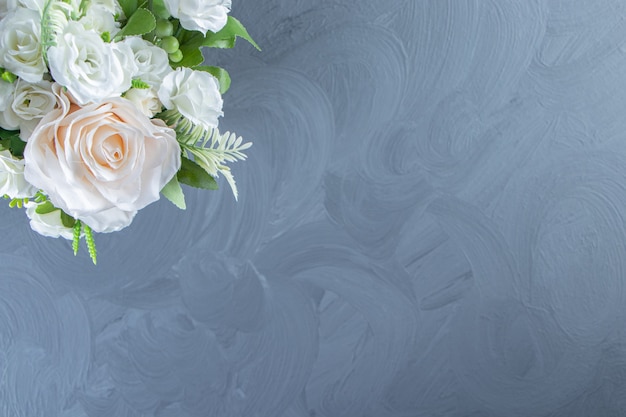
(12, 181)
(101, 163)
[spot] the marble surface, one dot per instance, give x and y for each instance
(432, 222)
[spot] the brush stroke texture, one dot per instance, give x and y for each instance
(432, 222)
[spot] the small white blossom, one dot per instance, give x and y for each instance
(145, 99)
(194, 94)
(48, 224)
(12, 181)
(152, 62)
(99, 19)
(111, 6)
(200, 15)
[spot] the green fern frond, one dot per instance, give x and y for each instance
(53, 17)
(91, 243)
(78, 226)
(210, 149)
(139, 84)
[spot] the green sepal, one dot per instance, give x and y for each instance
(68, 221)
(226, 37)
(40, 197)
(139, 84)
(106, 37)
(45, 208)
(194, 175)
(8, 76)
(82, 8)
(220, 73)
(173, 192)
(17, 202)
(140, 22)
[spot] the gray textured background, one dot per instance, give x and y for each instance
(431, 223)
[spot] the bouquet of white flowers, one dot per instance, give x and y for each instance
(104, 105)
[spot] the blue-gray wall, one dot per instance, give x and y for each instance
(432, 222)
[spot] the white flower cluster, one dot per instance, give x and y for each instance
(82, 86)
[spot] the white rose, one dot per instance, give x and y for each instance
(111, 6)
(152, 62)
(6, 94)
(99, 19)
(91, 69)
(145, 99)
(12, 181)
(7, 6)
(20, 44)
(48, 224)
(30, 103)
(200, 15)
(194, 94)
(101, 163)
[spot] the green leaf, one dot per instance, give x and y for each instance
(194, 175)
(159, 9)
(9, 134)
(173, 192)
(192, 56)
(226, 37)
(17, 147)
(11, 140)
(45, 208)
(128, 7)
(190, 38)
(141, 22)
(220, 73)
(68, 221)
